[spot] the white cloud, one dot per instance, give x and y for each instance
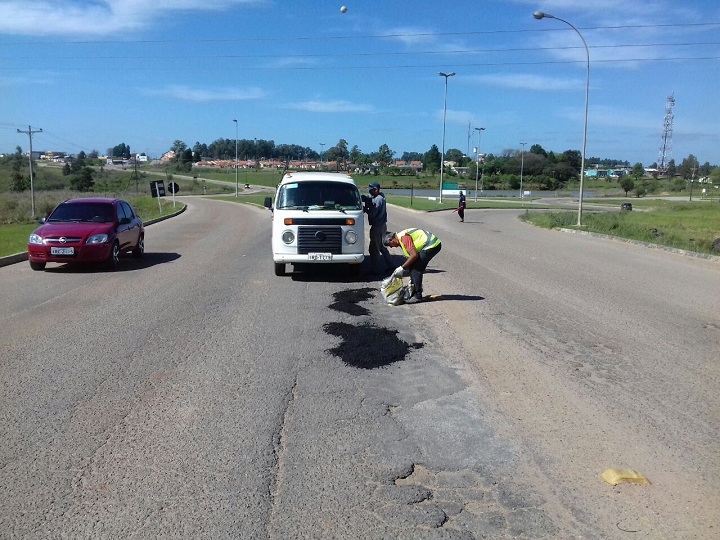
(338, 106)
(528, 82)
(94, 18)
(185, 93)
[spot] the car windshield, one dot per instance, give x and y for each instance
(83, 212)
(311, 195)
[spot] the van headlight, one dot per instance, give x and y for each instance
(288, 237)
(351, 237)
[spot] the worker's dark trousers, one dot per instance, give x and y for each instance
(418, 268)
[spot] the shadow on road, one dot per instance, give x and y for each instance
(127, 263)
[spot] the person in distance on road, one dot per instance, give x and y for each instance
(419, 246)
(461, 207)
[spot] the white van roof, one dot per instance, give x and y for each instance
(316, 176)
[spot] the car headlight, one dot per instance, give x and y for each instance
(351, 237)
(288, 237)
(35, 239)
(97, 239)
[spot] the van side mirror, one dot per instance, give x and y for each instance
(268, 203)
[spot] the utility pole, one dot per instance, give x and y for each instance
(692, 181)
(32, 188)
(522, 166)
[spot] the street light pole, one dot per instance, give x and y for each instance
(442, 156)
(540, 15)
(237, 185)
(522, 167)
(322, 151)
(477, 158)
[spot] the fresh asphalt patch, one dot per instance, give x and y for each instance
(364, 345)
(347, 301)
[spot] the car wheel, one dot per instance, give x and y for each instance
(279, 269)
(140, 248)
(37, 266)
(114, 259)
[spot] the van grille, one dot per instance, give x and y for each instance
(319, 240)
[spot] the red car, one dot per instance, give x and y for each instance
(94, 230)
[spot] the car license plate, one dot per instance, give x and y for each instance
(319, 256)
(62, 251)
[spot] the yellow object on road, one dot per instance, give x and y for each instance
(617, 476)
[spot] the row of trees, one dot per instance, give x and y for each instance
(541, 169)
(547, 169)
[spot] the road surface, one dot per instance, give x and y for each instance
(194, 394)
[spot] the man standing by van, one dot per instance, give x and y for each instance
(376, 210)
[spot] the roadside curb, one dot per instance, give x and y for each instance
(19, 257)
(712, 258)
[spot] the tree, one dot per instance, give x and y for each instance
(383, 156)
(537, 149)
(573, 159)
(83, 181)
(627, 184)
(688, 167)
(355, 154)
(454, 155)
(338, 153)
(411, 156)
(186, 157)
(671, 168)
(431, 160)
(178, 147)
(638, 171)
(199, 151)
(122, 150)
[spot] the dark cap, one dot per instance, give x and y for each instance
(373, 185)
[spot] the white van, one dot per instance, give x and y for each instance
(317, 219)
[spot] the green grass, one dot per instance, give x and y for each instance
(14, 238)
(690, 226)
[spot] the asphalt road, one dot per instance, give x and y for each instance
(193, 394)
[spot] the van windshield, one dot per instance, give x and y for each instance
(311, 195)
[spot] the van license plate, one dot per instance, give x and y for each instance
(319, 256)
(62, 251)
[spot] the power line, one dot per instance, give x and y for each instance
(285, 38)
(401, 66)
(204, 57)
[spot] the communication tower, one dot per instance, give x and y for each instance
(666, 145)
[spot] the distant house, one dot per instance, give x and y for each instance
(168, 156)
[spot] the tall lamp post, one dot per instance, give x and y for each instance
(540, 15)
(237, 185)
(322, 151)
(522, 167)
(442, 156)
(477, 159)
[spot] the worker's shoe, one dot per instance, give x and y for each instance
(414, 299)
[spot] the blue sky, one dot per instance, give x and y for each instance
(96, 73)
